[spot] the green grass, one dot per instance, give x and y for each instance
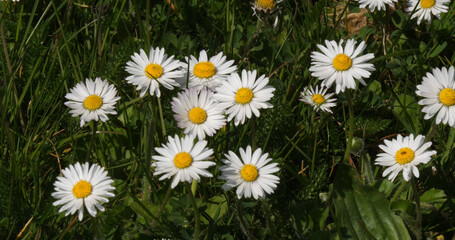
(49, 46)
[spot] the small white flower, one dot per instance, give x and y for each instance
(92, 100)
(182, 160)
(252, 174)
(198, 113)
(150, 72)
(243, 96)
(81, 186)
(341, 65)
(438, 91)
(207, 72)
(318, 98)
(373, 4)
(425, 8)
(404, 154)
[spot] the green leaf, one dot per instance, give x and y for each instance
(407, 111)
(438, 49)
(216, 208)
(362, 212)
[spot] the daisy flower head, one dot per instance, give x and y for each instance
(318, 98)
(182, 160)
(438, 91)
(425, 8)
(92, 100)
(242, 96)
(341, 66)
(82, 185)
(404, 154)
(149, 72)
(197, 112)
(373, 4)
(252, 173)
(205, 72)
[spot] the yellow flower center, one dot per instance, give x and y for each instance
(204, 69)
(82, 189)
(197, 115)
(426, 3)
(249, 173)
(244, 95)
(447, 96)
(342, 62)
(153, 70)
(266, 4)
(93, 102)
(318, 99)
(404, 155)
(183, 160)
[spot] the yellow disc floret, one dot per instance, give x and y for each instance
(183, 160)
(318, 99)
(204, 69)
(197, 115)
(93, 102)
(266, 4)
(249, 172)
(447, 96)
(82, 189)
(342, 62)
(244, 95)
(154, 70)
(427, 3)
(404, 155)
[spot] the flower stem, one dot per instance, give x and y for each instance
(92, 140)
(196, 211)
(416, 194)
(242, 221)
(268, 215)
(253, 132)
(347, 154)
(398, 192)
(163, 205)
(160, 109)
(68, 228)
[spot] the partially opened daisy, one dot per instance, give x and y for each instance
(404, 154)
(243, 96)
(318, 98)
(438, 91)
(423, 9)
(341, 66)
(82, 185)
(182, 160)
(205, 72)
(149, 72)
(373, 4)
(198, 113)
(92, 100)
(252, 173)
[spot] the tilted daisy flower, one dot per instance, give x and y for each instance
(92, 100)
(243, 96)
(252, 173)
(423, 9)
(198, 113)
(149, 72)
(318, 98)
(182, 160)
(373, 4)
(341, 65)
(438, 91)
(404, 154)
(82, 185)
(205, 72)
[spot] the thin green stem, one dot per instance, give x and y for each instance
(268, 215)
(347, 154)
(314, 150)
(242, 221)
(398, 192)
(160, 109)
(163, 205)
(196, 211)
(92, 140)
(253, 132)
(416, 194)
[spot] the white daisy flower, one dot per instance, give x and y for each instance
(341, 65)
(425, 8)
(150, 72)
(318, 98)
(92, 100)
(198, 113)
(207, 72)
(182, 160)
(251, 173)
(438, 91)
(404, 154)
(373, 4)
(243, 96)
(82, 185)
